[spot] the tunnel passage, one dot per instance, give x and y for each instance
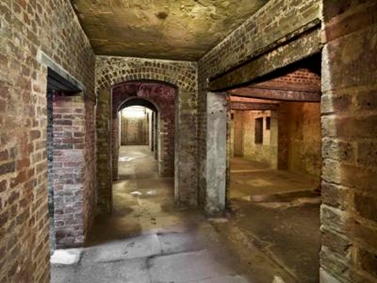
(162, 97)
(138, 123)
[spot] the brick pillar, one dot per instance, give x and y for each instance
(115, 146)
(185, 150)
(68, 169)
(104, 175)
(349, 128)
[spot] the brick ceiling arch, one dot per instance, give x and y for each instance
(112, 71)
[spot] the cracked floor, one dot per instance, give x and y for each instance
(146, 239)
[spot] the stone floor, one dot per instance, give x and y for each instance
(148, 240)
(277, 211)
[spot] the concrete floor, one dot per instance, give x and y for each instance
(148, 240)
(277, 211)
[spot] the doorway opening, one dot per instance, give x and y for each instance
(143, 145)
(274, 165)
(138, 139)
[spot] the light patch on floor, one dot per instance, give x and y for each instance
(66, 257)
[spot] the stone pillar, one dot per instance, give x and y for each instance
(216, 154)
(349, 142)
(229, 150)
(104, 156)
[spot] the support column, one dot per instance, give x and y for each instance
(104, 156)
(216, 154)
(185, 150)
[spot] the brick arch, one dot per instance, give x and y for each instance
(136, 101)
(114, 71)
(161, 95)
(111, 71)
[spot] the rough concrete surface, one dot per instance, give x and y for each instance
(278, 212)
(147, 240)
(161, 28)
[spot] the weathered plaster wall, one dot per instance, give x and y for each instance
(134, 131)
(267, 151)
(238, 133)
(111, 71)
(267, 30)
(27, 27)
(300, 137)
(349, 129)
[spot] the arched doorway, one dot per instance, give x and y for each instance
(160, 98)
(119, 72)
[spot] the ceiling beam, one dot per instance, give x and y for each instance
(297, 49)
(277, 94)
(249, 106)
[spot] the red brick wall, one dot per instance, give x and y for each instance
(26, 28)
(69, 169)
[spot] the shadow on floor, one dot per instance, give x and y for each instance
(278, 211)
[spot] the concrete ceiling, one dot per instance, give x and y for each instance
(165, 29)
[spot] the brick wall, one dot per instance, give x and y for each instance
(253, 40)
(27, 27)
(68, 169)
(111, 71)
(349, 129)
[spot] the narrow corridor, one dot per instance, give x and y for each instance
(146, 239)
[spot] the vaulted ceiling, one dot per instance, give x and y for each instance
(164, 29)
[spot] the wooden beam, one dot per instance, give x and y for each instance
(249, 106)
(277, 94)
(299, 48)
